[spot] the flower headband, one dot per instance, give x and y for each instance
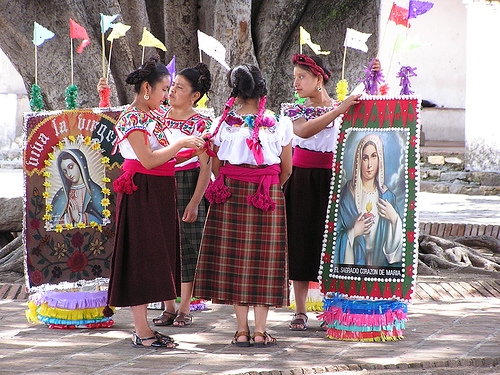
(311, 64)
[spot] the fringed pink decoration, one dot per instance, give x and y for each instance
(107, 324)
(364, 320)
(125, 183)
(217, 191)
(261, 198)
(71, 300)
(104, 96)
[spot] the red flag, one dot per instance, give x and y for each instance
(78, 32)
(399, 15)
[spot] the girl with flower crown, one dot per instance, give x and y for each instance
(316, 125)
(243, 258)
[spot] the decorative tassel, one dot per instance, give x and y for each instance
(342, 89)
(71, 94)
(384, 89)
(404, 74)
(107, 312)
(373, 79)
(104, 96)
(261, 201)
(125, 183)
(217, 191)
(36, 102)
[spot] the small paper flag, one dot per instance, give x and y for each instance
(171, 68)
(417, 8)
(106, 22)
(148, 40)
(356, 39)
(305, 38)
(213, 48)
(119, 30)
(403, 44)
(399, 15)
(78, 32)
(41, 34)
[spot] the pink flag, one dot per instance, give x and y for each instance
(399, 15)
(78, 32)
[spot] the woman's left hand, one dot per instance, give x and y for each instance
(387, 211)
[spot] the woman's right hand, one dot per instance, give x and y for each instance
(362, 226)
(348, 102)
(103, 84)
(193, 142)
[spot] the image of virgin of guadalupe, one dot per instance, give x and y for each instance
(79, 198)
(369, 226)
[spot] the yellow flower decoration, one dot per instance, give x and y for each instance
(96, 146)
(93, 224)
(47, 184)
(105, 202)
(60, 250)
(69, 226)
(46, 174)
(48, 207)
(106, 179)
(45, 194)
(105, 160)
(59, 228)
(47, 217)
(342, 89)
(60, 145)
(51, 156)
(106, 213)
(47, 162)
(96, 247)
(99, 228)
(106, 191)
(87, 140)
(72, 138)
(80, 225)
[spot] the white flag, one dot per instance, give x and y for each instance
(213, 48)
(357, 40)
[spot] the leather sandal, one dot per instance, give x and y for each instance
(137, 342)
(160, 336)
(241, 343)
(268, 340)
(299, 319)
(164, 319)
(182, 320)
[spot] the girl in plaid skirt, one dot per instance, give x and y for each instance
(243, 256)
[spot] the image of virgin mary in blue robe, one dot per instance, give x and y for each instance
(383, 245)
(76, 202)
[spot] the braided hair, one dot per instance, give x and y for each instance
(152, 71)
(199, 77)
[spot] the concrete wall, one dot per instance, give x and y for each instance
(440, 63)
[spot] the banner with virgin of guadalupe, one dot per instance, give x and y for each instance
(69, 199)
(370, 244)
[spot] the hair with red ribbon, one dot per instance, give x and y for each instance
(312, 65)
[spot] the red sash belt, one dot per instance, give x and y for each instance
(125, 183)
(303, 158)
(218, 192)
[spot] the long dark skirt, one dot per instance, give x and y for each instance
(243, 257)
(145, 266)
(190, 232)
(306, 196)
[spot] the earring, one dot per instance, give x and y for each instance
(146, 97)
(319, 88)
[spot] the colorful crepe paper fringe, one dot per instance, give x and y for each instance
(69, 310)
(314, 301)
(404, 74)
(195, 304)
(71, 94)
(354, 320)
(298, 99)
(36, 102)
(342, 89)
(372, 79)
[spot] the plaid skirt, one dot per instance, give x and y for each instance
(243, 257)
(190, 232)
(145, 265)
(306, 195)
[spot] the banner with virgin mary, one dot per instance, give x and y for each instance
(370, 247)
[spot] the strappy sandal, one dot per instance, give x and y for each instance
(164, 319)
(297, 320)
(243, 344)
(268, 340)
(160, 336)
(182, 320)
(137, 342)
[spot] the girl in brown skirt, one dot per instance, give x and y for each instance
(145, 265)
(243, 258)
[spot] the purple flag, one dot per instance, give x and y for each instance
(417, 8)
(171, 68)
